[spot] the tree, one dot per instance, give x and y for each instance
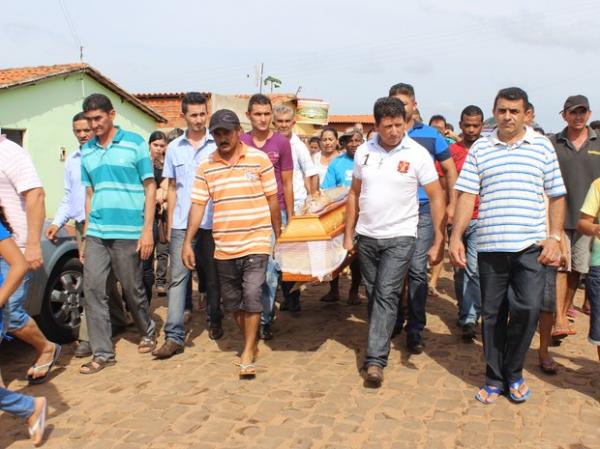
(274, 82)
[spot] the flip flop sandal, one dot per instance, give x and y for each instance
(95, 365)
(548, 366)
(489, 389)
(247, 371)
(515, 386)
(46, 366)
(560, 333)
(237, 361)
(36, 432)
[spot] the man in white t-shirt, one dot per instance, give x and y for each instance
(22, 197)
(383, 211)
(305, 181)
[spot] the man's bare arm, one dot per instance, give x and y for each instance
(146, 241)
(35, 210)
(288, 192)
(275, 214)
(351, 213)
(437, 201)
(462, 216)
(451, 176)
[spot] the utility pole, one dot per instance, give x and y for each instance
(260, 83)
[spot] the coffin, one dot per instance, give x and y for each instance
(311, 246)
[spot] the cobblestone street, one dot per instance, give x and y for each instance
(308, 392)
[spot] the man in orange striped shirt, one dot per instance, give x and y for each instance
(240, 181)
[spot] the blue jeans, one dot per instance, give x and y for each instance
(592, 286)
(417, 275)
(174, 327)
(466, 280)
(15, 307)
(269, 288)
(16, 404)
(383, 265)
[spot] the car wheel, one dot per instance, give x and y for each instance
(62, 305)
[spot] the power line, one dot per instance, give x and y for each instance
(71, 27)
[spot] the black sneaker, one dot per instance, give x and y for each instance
(468, 332)
(415, 345)
(284, 305)
(215, 331)
(264, 332)
(294, 305)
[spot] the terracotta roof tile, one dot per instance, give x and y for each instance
(9, 77)
(14, 77)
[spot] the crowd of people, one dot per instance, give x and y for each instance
(518, 209)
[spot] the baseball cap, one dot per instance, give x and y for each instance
(224, 118)
(576, 101)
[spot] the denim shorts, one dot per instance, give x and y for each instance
(592, 287)
(581, 251)
(241, 281)
(15, 307)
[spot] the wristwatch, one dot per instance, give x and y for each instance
(555, 237)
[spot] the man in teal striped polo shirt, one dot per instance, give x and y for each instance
(120, 200)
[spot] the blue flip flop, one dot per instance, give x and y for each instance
(40, 380)
(489, 389)
(515, 386)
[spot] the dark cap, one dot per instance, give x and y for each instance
(224, 118)
(576, 101)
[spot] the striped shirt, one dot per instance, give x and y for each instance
(511, 181)
(117, 174)
(238, 190)
(17, 175)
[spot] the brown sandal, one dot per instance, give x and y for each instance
(95, 365)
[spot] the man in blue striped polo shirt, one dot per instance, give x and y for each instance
(511, 170)
(120, 200)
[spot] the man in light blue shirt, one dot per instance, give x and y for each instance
(183, 156)
(339, 173)
(72, 207)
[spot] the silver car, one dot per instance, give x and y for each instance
(56, 290)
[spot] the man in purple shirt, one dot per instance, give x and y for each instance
(277, 147)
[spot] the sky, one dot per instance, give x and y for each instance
(348, 53)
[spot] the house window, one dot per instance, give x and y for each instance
(16, 135)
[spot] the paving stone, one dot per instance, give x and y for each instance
(308, 393)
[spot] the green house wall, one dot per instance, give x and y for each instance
(45, 110)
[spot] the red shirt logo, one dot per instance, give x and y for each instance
(403, 166)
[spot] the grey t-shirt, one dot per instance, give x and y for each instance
(579, 169)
